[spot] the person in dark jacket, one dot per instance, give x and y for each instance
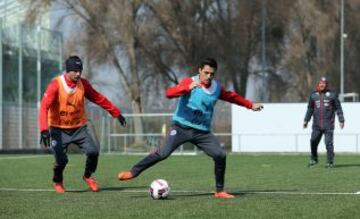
(323, 104)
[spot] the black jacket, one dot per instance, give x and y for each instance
(322, 106)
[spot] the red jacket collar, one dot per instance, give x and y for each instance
(69, 82)
(204, 85)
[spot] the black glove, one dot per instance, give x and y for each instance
(122, 120)
(45, 138)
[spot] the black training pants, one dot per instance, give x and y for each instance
(205, 141)
(60, 140)
(329, 142)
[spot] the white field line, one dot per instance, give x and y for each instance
(185, 191)
(14, 157)
(23, 157)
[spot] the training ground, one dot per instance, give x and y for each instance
(265, 186)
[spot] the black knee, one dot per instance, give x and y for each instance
(61, 162)
(92, 160)
(330, 145)
(58, 170)
(93, 154)
(221, 155)
(330, 148)
(313, 142)
(162, 156)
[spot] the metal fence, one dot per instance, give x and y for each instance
(156, 125)
(116, 139)
(24, 135)
(19, 135)
(30, 56)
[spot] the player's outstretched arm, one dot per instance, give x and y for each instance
(99, 99)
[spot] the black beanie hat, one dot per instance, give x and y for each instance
(73, 63)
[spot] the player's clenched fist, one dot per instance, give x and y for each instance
(257, 107)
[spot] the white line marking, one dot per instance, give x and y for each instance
(184, 191)
(23, 157)
(303, 193)
(24, 190)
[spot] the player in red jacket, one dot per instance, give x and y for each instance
(63, 121)
(192, 122)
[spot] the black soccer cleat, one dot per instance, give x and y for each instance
(329, 165)
(312, 163)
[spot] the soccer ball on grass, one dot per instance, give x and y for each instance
(159, 189)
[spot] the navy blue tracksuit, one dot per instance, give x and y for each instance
(323, 106)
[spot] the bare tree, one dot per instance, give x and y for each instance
(151, 42)
(238, 31)
(309, 46)
(180, 38)
(109, 35)
(351, 46)
(191, 30)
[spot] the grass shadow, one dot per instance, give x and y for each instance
(77, 190)
(121, 188)
(261, 191)
(241, 193)
(191, 194)
(346, 165)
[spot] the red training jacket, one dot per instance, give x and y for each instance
(91, 94)
(229, 96)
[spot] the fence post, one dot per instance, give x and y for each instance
(125, 144)
(102, 132)
(1, 86)
(20, 84)
(357, 143)
(108, 134)
(38, 71)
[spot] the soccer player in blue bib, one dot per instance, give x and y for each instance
(192, 120)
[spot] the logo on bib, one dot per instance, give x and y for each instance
(173, 132)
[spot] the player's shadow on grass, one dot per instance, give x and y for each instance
(122, 188)
(241, 193)
(261, 191)
(347, 165)
(174, 195)
(107, 189)
(77, 190)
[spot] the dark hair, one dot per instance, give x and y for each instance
(208, 61)
(73, 63)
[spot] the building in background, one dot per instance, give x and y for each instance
(30, 57)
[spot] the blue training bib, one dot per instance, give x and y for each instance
(196, 108)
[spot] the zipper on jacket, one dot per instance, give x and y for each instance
(321, 110)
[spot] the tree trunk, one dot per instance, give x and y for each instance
(136, 102)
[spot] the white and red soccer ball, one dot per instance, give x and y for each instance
(159, 189)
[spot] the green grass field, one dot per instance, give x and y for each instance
(266, 186)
